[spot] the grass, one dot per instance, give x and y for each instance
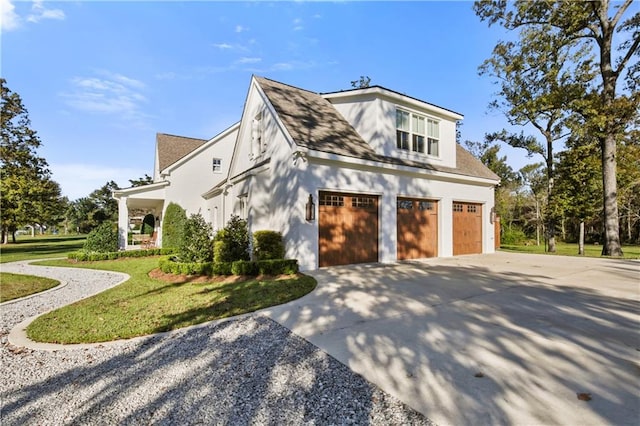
(565, 249)
(14, 286)
(40, 247)
(145, 305)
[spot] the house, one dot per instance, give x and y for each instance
(356, 176)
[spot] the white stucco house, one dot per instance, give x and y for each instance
(356, 176)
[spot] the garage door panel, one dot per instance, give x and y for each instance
(417, 232)
(348, 229)
(467, 228)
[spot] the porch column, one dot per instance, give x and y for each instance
(123, 223)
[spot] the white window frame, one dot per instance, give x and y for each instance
(424, 141)
(258, 146)
(243, 201)
(217, 165)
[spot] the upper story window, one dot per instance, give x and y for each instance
(217, 165)
(257, 140)
(413, 130)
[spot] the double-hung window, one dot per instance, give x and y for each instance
(217, 165)
(403, 129)
(417, 133)
(433, 137)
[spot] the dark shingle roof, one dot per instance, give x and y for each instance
(314, 123)
(172, 148)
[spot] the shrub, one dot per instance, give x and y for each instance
(232, 242)
(244, 267)
(268, 245)
(148, 224)
(82, 256)
(170, 266)
(102, 239)
(173, 226)
(222, 268)
(277, 267)
(512, 235)
(196, 246)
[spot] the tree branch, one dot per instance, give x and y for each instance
(621, 10)
(628, 56)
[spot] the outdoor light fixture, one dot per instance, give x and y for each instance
(310, 209)
(492, 215)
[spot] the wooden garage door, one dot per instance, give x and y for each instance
(467, 228)
(417, 228)
(348, 228)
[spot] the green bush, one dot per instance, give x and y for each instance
(148, 224)
(222, 268)
(169, 266)
(173, 226)
(102, 239)
(277, 267)
(232, 242)
(268, 245)
(83, 256)
(196, 245)
(244, 267)
(512, 235)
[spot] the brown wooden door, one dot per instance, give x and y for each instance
(348, 228)
(467, 228)
(417, 228)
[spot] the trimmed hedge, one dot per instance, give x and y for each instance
(268, 245)
(84, 256)
(168, 265)
(173, 225)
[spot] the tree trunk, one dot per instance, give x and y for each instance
(611, 246)
(5, 236)
(551, 216)
(537, 223)
(581, 239)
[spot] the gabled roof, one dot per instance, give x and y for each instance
(172, 148)
(315, 124)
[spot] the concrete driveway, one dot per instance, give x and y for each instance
(486, 339)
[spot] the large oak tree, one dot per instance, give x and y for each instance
(584, 32)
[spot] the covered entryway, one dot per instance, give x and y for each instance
(348, 228)
(467, 228)
(417, 228)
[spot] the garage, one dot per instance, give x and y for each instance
(417, 229)
(467, 228)
(348, 228)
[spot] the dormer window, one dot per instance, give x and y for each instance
(413, 130)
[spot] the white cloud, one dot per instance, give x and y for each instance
(79, 180)
(241, 29)
(111, 93)
(9, 19)
(297, 24)
(292, 65)
(40, 12)
(248, 60)
(223, 46)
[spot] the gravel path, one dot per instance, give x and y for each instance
(244, 371)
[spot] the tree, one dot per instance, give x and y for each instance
(586, 27)
(146, 180)
(510, 181)
(362, 83)
(28, 193)
(106, 205)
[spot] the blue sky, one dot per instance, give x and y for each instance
(99, 79)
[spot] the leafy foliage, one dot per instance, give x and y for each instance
(565, 55)
(362, 83)
(232, 242)
(196, 244)
(148, 223)
(145, 180)
(173, 225)
(29, 195)
(268, 245)
(102, 239)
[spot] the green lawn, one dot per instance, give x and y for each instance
(564, 249)
(13, 286)
(144, 305)
(40, 247)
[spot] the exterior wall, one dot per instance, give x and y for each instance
(193, 177)
(374, 118)
(311, 178)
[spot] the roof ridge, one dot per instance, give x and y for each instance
(288, 85)
(182, 137)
